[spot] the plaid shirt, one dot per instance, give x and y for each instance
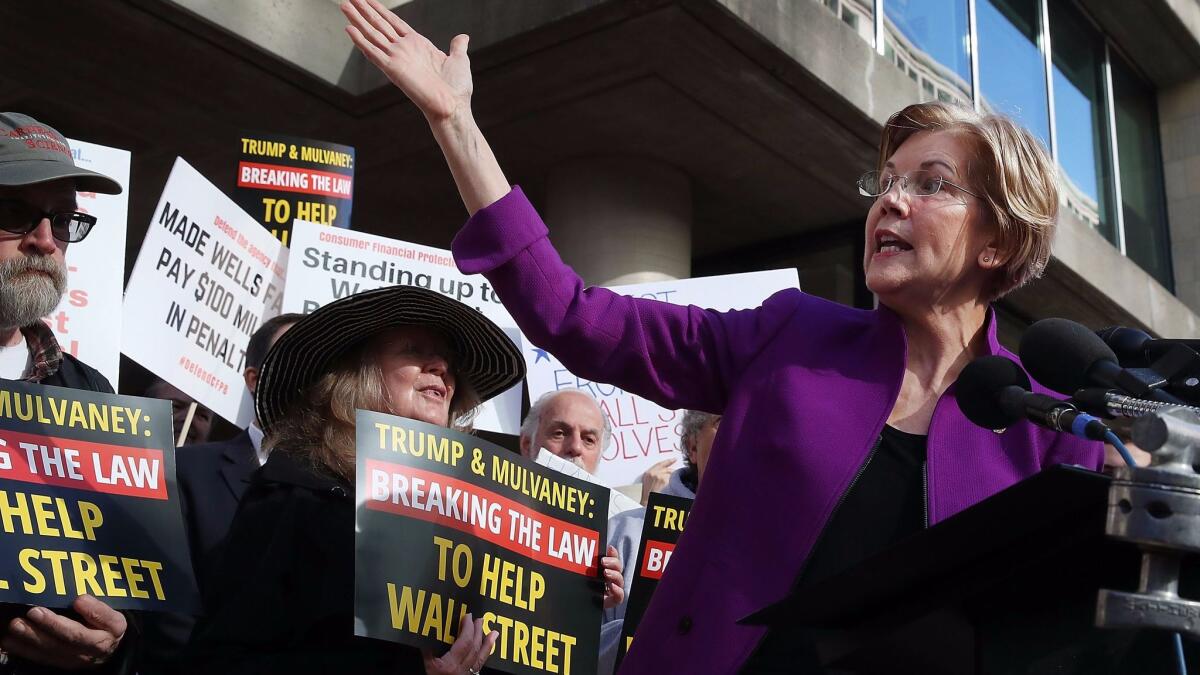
(44, 352)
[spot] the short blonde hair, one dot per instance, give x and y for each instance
(1011, 171)
(319, 429)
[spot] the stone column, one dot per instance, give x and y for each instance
(1179, 117)
(621, 220)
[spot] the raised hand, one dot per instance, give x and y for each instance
(438, 83)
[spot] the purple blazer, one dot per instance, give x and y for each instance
(805, 387)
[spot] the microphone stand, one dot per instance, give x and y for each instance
(1157, 507)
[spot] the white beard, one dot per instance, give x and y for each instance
(26, 298)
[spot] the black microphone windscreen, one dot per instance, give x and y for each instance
(1129, 344)
(979, 389)
(1059, 353)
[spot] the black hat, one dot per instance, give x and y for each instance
(31, 152)
(486, 357)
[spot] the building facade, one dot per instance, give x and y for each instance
(673, 138)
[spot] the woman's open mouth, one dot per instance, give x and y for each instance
(888, 244)
(435, 392)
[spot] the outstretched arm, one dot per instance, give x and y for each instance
(440, 86)
(675, 356)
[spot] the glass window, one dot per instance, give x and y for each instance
(859, 15)
(933, 34)
(1081, 118)
(849, 17)
(1140, 159)
(1012, 73)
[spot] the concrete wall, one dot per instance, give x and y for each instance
(307, 34)
(1179, 115)
(1094, 264)
(822, 44)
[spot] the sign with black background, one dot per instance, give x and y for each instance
(283, 178)
(449, 524)
(89, 502)
(665, 518)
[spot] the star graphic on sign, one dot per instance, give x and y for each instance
(539, 355)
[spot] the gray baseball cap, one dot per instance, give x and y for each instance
(31, 152)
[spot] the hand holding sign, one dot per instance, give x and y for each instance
(468, 653)
(50, 639)
(614, 582)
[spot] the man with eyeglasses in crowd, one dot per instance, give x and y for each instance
(39, 217)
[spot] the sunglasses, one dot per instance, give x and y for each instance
(19, 217)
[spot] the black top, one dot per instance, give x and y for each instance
(281, 597)
(885, 504)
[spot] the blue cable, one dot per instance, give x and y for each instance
(1116, 443)
(1180, 663)
(1179, 660)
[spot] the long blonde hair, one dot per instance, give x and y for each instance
(319, 429)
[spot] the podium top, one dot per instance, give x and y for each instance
(1050, 514)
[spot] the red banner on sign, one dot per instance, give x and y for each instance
(655, 558)
(453, 503)
(294, 179)
(97, 467)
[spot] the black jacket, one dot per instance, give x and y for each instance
(75, 374)
(281, 597)
(212, 479)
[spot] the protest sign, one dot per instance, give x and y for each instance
(283, 178)
(88, 501)
(448, 524)
(644, 433)
(330, 264)
(617, 501)
(665, 517)
(83, 322)
(206, 277)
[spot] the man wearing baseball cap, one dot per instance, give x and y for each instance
(39, 217)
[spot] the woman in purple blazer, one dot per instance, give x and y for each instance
(840, 433)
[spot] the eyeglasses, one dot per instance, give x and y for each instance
(18, 217)
(918, 183)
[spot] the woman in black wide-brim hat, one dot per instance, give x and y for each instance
(282, 596)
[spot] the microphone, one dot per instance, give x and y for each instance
(1100, 401)
(993, 392)
(1065, 356)
(1136, 349)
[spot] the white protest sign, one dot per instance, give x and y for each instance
(617, 501)
(206, 277)
(331, 263)
(83, 322)
(643, 432)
